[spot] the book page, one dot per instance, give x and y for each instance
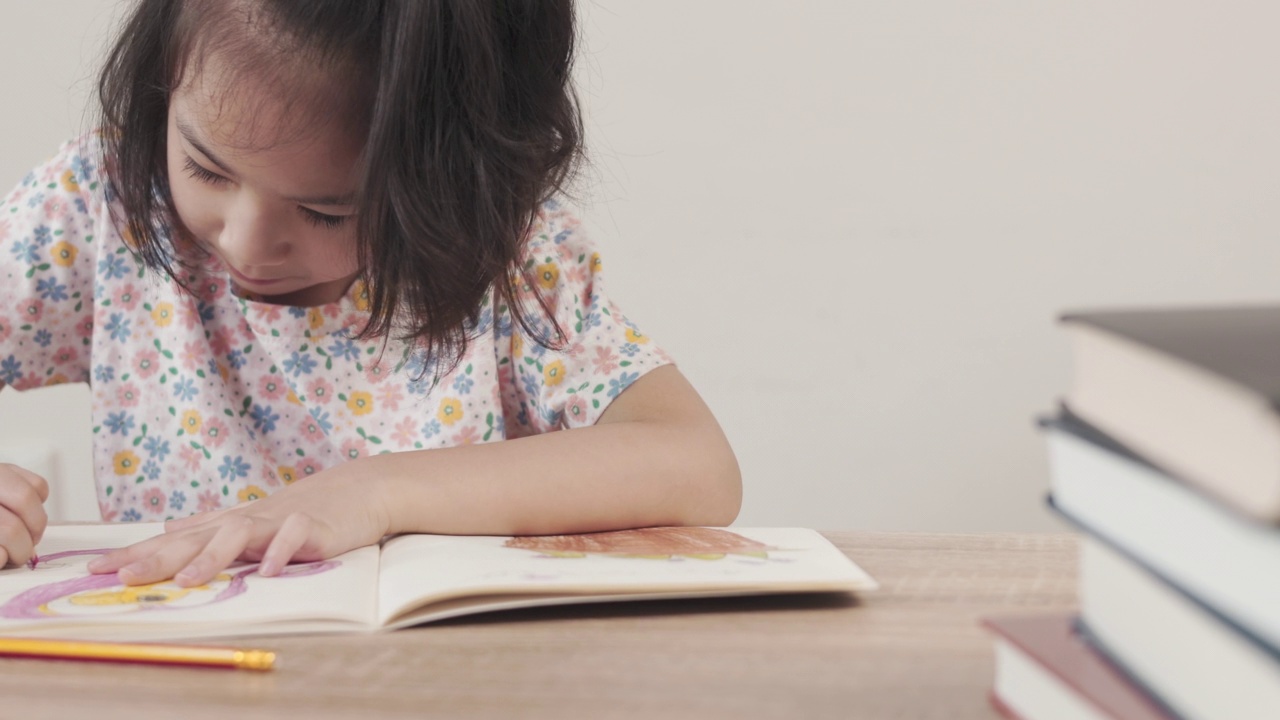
(418, 570)
(60, 598)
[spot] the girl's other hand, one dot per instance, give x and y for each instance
(313, 519)
(22, 515)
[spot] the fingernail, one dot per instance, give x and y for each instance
(268, 569)
(188, 575)
(96, 564)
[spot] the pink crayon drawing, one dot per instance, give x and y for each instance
(98, 593)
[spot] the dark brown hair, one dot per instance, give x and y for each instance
(471, 124)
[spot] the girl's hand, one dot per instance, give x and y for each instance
(22, 515)
(313, 519)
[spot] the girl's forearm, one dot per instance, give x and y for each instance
(603, 477)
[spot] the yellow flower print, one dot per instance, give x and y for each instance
(126, 462)
(553, 373)
(360, 295)
(69, 181)
(162, 314)
(636, 337)
(548, 275)
(315, 318)
(287, 474)
(596, 263)
(450, 411)
(64, 253)
(293, 398)
(191, 422)
(361, 403)
(517, 346)
(253, 492)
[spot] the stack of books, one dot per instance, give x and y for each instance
(1166, 455)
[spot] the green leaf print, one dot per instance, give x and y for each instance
(625, 363)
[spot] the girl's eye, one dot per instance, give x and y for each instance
(199, 173)
(322, 220)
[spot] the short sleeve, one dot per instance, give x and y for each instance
(603, 352)
(47, 270)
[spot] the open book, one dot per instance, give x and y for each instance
(409, 580)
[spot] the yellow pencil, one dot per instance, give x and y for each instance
(230, 658)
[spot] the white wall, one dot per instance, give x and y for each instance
(854, 222)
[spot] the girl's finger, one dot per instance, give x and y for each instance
(40, 485)
(14, 538)
(167, 559)
(231, 538)
(24, 501)
(116, 559)
(293, 534)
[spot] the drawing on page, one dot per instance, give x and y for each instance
(90, 595)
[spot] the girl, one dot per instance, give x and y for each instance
(314, 268)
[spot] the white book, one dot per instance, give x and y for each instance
(1198, 666)
(1226, 560)
(409, 580)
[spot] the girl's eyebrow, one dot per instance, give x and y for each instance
(327, 200)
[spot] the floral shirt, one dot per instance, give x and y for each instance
(204, 401)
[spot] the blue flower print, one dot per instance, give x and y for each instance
(35, 200)
(156, 448)
(431, 429)
(25, 251)
(43, 337)
(322, 419)
(51, 289)
(104, 373)
(177, 499)
(299, 364)
(113, 267)
(530, 385)
(118, 326)
(263, 418)
(620, 383)
(151, 470)
(185, 390)
(42, 236)
(298, 312)
(630, 349)
(343, 349)
(236, 359)
(562, 236)
(131, 515)
(82, 167)
(230, 469)
(10, 370)
(121, 422)
(463, 384)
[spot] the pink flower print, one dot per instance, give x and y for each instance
(209, 501)
(5, 329)
(84, 326)
(468, 436)
(389, 396)
(663, 355)
(190, 457)
(269, 477)
(4, 230)
(57, 208)
(214, 432)
(272, 387)
(28, 381)
(353, 449)
(211, 289)
(191, 355)
(155, 501)
(332, 310)
(183, 314)
(65, 355)
(127, 395)
(320, 391)
(311, 430)
(377, 372)
(221, 341)
(126, 297)
(575, 410)
(31, 310)
(575, 350)
(107, 513)
(576, 274)
(406, 430)
(606, 360)
(267, 313)
(309, 467)
(146, 363)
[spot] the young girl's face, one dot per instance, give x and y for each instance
(272, 201)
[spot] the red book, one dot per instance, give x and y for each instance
(1045, 669)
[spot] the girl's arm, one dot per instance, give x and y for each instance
(657, 456)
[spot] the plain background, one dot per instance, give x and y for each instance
(853, 223)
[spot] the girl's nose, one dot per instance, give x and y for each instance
(252, 238)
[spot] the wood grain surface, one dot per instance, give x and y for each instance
(910, 650)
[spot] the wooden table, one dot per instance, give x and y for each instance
(911, 650)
